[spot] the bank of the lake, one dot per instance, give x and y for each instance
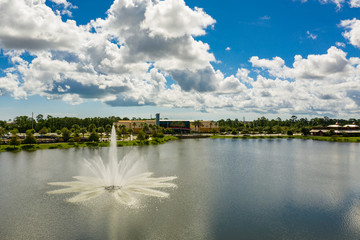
(155, 141)
(34, 147)
(317, 138)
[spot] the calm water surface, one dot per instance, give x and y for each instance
(227, 189)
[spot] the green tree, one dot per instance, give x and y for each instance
(278, 129)
(107, 130)
(43, 131)
(14, 131)
(142, 135)
(145, 128)
(124, 131)
(305, 131)
(269, 130)
(40, 118)
(213, 131)
(130, 130)
(92, 128)
(83, 131)
(65, 134)
(101, 131)
(30, 138)
(23, 123)
(2, 131)
(14, 141)
(198, 124)
(75, 128)
(94, 137)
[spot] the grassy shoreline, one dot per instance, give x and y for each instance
(34, 147)
(316, 138)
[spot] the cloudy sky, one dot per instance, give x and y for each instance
(200, 59)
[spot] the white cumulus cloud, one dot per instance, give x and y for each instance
(354, 3)
(31, 25)
(144, 52)
(353, 33)
(172, 19)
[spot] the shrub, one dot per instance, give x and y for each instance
(92, 144)
(65, 134)
(269, 130)
(14, 141)
(290, 133)
(158, 135)
(30, 138)
(28, 147)
(12, 149)
(142, 135)
(305, 131)
(94, 137)
(245, 131)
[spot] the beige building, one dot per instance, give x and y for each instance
(205, 126)
(348, 129)
(176, 125)
(135, 125)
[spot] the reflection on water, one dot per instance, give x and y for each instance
(227, 189)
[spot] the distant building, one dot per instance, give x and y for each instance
(178, 126)
(349, 129)
(136, 125)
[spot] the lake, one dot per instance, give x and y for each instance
(227, 189)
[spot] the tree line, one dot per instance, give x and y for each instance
(71, 129)
(24, 123)
(286, 126)
(52, 124)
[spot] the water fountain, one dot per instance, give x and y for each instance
(120, 178)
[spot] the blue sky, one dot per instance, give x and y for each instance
(185, 59)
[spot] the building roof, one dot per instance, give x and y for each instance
(334, 126)
(318, 130)
(351, 126)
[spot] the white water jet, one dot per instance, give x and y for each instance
(117, 177)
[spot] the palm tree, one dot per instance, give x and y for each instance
(152, 127)
(65, 134)
(145, 128)
(108, 130)
(2, 131)
(92, 127)
(130, 130)
(101, 130)
(43, 131)
(197, 124)
(124, 131)
(83, 131)
(75, 127)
